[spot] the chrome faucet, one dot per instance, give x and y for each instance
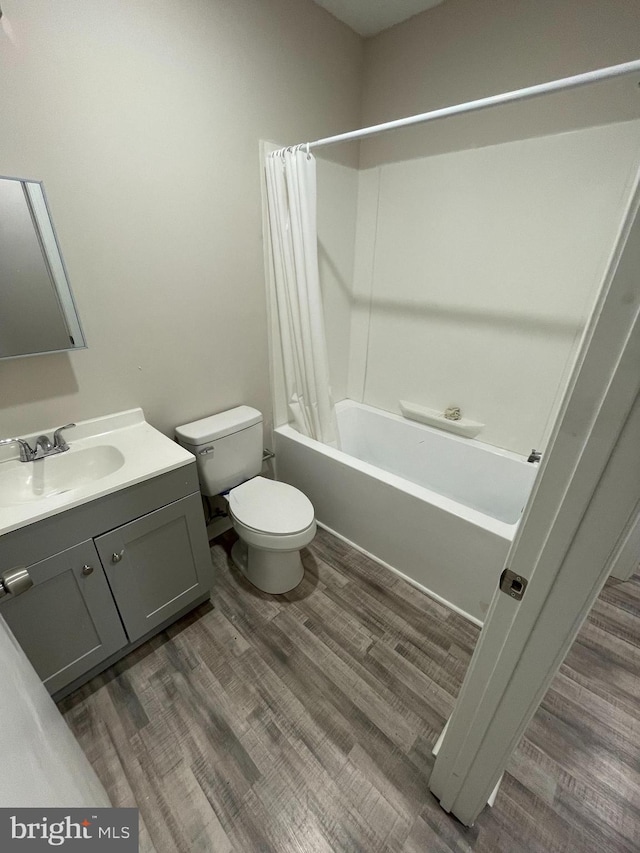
(44, 445)
(59, 444)
(26, 451)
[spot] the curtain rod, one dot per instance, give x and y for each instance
(482, 103)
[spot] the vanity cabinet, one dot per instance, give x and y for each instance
(67, 623)
(151, 565)
(139, 561)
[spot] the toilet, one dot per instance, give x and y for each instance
(273, 520)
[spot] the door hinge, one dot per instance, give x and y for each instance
(512, 584)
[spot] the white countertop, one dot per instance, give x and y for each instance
(146, 451)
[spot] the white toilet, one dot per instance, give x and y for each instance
(273, 520)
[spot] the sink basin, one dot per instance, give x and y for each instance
(25, 482)
(105, 455)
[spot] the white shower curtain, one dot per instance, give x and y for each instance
(291, 195)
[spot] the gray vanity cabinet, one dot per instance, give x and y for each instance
(152, 564)
(124, 566)
(67, 623)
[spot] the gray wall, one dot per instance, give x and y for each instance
(143, 121)
(467, 49)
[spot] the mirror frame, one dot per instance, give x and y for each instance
(52, 255)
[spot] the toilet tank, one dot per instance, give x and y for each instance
(227, 447)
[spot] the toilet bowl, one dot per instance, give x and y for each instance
(273, 520)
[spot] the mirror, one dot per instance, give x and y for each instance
(37, 311)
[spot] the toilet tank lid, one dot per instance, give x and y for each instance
(217, 426)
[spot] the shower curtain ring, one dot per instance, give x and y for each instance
(308, 154)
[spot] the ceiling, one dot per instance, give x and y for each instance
(369, 17)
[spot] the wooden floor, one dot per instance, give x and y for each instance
(305, 723)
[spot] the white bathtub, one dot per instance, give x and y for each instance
(439, 509)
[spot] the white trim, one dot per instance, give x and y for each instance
(587, 490)
(492, 798)
(436, 749)
(44, 224)
(625, 558)
(414, 583)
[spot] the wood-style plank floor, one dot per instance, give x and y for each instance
(305, 723)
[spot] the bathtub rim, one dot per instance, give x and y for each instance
(472, 516)
(348, 403)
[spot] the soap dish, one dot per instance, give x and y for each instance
(463, 426)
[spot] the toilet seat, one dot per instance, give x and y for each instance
(272, 515)
(271, 507)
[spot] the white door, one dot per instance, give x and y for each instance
(43, 765)
(586, 496)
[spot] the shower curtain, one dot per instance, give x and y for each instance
(291, 196)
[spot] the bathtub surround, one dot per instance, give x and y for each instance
(293, 278)
(467, 322)
(485, 265)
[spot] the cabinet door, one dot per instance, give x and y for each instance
(158, 564)
(67, 622)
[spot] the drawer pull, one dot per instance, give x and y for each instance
(117, 556)
(15, 582)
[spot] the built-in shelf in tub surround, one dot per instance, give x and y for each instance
(128, 448)
(463, 426)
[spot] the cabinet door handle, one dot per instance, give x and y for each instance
(15, 582)
(117, 556)
(87, 570)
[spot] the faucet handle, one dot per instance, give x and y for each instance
(58, 440)
(26, 451)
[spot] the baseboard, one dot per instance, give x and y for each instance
(400, 574)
